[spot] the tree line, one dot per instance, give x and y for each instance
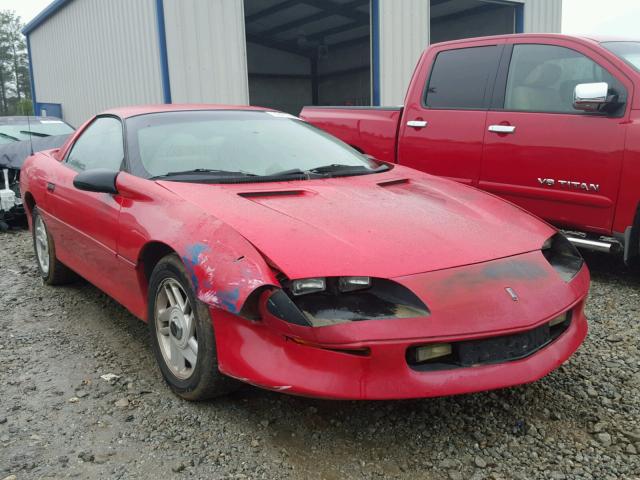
(15, 85)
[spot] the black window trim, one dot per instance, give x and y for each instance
(488, 88)
(500, 90)
(124, 165)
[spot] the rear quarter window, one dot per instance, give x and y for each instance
(460, 78)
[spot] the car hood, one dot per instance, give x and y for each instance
(382, 225)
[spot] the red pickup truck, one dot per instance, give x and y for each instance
(549, 122)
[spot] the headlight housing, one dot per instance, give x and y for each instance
(318, 302)
(563, 256)
(305, 286)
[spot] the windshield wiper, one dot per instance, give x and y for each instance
(206, 171)
(339, 168)
(334, 168)
(10, 137)
(288, 173)
(37, 134)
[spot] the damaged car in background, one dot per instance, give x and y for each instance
(261, 250)
(20, 137)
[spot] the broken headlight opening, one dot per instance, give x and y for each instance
(320, 302)
(563, 256)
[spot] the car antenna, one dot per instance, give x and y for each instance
(30, 136)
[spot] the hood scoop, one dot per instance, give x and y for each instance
(394, 182)
(275, 193)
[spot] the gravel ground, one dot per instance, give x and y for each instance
(59, 418)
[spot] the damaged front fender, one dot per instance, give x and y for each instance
(226, 272)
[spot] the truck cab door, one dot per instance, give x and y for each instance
(541, 153)
(442, 129)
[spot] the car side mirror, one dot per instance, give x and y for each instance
(97, 180)
(592, 97)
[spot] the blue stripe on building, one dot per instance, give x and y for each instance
(375, 47)
(31, 79)
(162, 46)
(520, 18)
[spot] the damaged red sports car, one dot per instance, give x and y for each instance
(262, 250)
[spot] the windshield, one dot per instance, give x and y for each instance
(209, 145)
(627, 51)
(16, 129)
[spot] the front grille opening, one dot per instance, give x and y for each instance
(488, 351)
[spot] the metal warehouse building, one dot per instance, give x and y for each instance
(89, 55)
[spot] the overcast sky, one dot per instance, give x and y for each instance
(598, 17)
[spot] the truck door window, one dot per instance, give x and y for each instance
(542, 78)
(460, 78)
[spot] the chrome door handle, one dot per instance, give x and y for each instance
(502, 129)
(417, 123)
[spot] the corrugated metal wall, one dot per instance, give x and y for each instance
(404, 33)
(206, 50)
(542, 16)
(97, 54)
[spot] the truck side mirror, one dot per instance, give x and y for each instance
(592, 97)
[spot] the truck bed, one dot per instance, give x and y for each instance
(371, 130)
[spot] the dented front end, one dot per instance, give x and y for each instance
(228, 278)
(361, 344)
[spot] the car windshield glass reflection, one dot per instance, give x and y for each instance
(210, 145)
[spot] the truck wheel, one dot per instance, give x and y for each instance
(182, 336)
(52, 271)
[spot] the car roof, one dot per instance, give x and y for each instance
(581, 38)
(132, 111)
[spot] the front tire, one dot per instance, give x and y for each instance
(182, 336)
(52, 271)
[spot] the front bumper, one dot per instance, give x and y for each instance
(329, 362)
(268, 360)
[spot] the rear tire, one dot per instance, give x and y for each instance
(52, 271)
(182, 336)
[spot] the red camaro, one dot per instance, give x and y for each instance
(261, 249)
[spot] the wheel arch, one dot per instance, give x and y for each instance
(150, 254)
(632, 241)
(29, 202)
(228, 278)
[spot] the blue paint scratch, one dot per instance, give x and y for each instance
(194, 251)
(192, 258)
(229, 300)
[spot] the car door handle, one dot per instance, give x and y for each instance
(417, 123)
(51, 186)
(502, 129)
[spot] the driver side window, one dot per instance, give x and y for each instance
(99, 146)
(542, 78)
